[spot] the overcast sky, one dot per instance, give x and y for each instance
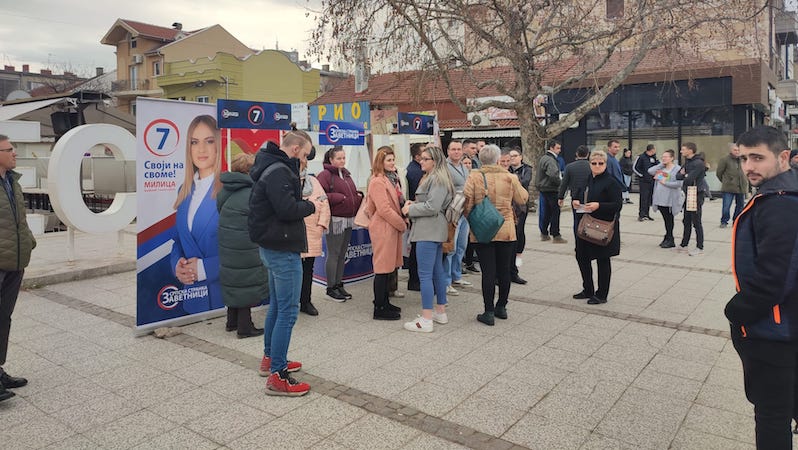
(66, 34)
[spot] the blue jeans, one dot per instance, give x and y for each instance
(285, 286)
(739, 199)
(430, 272)
(453, 266)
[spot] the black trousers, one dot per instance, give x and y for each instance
(604, 275)
(769, 373)
(468, 257)
(413, 282)
(240, 318)
(520, 241)
(307, 279)
(667, 217)
(10, 282)
(646, 193)
(494, 259)
(551, 215)
(381, 281)
(692, 219)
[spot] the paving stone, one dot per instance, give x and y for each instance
(728, 398)
(598, 442)
(163, 388)
(130, 430)
(290, 436)
(561, 359)
(467, 378)
(691, 353)
(658, 382)
(724, 423)
(536, 432)
(190, 405)
(537, 374)
(374, 432)
(688, 439)
(608, 370)
(96, 412)
(485, 415)
(228, 423)
(74, 442)
(18, 410)
(382, 382)
(680, 367)
(591, 388)
(99, 363)
(431, 398)
(63, 397)
(326, 414)
(426, 442)
(177, 439)
(206, 371)
(574, 344)
(36, 434)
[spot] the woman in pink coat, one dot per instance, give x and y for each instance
(315, 226)
(385, 201)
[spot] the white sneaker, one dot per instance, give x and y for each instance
(441, 318)
(397, 294)
(696, 251)
(451, 291)
(462, 282)
(518, 261)
(680, 249)
(421, 325)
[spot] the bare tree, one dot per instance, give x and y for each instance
(520, 49)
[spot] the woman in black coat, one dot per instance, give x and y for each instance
(603, 200)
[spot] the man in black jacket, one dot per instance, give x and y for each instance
(763, 313)
(575, 179)
(414, 175)
(645, 161)
(693, 174)
(524, 173)
(276, 224)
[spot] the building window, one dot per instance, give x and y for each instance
(614, 9)
(134, 76)
(203, 99)
(132, 42)
(156, 68)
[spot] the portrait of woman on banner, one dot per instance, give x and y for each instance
(195, 252)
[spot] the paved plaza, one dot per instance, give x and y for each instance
(652, 368)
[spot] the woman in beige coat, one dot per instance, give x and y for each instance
(495, 257)
(385, 201)
(315, 226)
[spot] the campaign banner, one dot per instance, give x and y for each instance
(341, 133)
(416, 123)
(357, 112)
(253, 115)
(357, 262)
(175, 139)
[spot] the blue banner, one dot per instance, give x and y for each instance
(357, 112)
(253, 115)
(341, 133)
(416, 123)
(357, 262)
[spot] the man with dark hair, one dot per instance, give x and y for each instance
(524, 173)
(16, 245)
(733, 184)
(763, 313)
(613, 165)
(576, 177)
(693, 174)
(470, 150)
(548, 182)
(645, 161)
(414, 174)
(453, 262)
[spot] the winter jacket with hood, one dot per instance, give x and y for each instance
(276, 206)
(765, 263)
(341, 191)
(244, 279)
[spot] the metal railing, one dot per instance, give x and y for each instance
(130, 85)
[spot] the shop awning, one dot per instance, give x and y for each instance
(9, 112)
(487, 134)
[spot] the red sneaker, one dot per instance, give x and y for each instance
(281, 383)
(266, 362)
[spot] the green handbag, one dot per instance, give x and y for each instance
(484, 219)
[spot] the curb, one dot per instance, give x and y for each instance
(76, 275)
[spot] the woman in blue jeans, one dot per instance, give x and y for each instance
(429, 230)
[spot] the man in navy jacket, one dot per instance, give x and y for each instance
(764, 312)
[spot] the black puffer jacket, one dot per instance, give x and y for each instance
(276, 206)
(244, 279)
(695, 171)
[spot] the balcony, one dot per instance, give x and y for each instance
(122, 88)
(787, 90)
(787, 27)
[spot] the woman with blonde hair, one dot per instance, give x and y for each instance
(244, 279)
(316, 225)
(495, 257)
(429, 231)
(195, 252)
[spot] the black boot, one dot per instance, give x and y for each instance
(668, 243)
(391, 307)
(486, 318)
(383, 313)
(245, 326)
(308, 308)
(232, 319)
